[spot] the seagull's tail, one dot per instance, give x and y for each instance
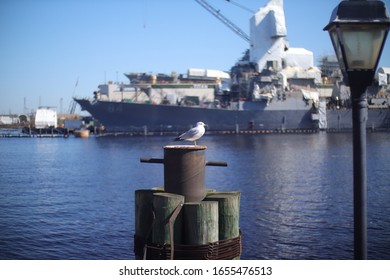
(177, 139)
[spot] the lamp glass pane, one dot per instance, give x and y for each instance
(337, 48)
(362, 46)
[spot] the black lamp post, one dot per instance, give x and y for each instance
(358, 30)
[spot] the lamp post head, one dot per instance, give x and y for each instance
(358, 30)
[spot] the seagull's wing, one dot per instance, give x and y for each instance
(190, 134)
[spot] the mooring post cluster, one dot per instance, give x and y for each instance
(183, 219)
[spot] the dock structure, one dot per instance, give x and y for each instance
(184, 220)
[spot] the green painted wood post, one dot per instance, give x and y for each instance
(229, 213)
(164, 205)
(200, 222)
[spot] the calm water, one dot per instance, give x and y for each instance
(74, 198)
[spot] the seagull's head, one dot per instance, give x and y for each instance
(201, 124)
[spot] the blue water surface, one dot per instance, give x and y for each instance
(74, 198)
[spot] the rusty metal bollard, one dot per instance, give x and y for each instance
(184, 170)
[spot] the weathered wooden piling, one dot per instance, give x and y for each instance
(200, 222)
(183, 220)
(229, 219)
(228, 213)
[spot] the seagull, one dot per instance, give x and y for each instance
(193, 134)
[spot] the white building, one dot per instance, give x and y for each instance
(45, 117)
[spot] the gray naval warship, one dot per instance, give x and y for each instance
(273, 87)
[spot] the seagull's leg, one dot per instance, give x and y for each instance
(195, 142)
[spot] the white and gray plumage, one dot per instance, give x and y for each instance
(193, 134)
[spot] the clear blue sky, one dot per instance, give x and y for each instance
(47, 45)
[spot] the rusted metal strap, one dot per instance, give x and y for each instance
(171, 221)
(220, 250)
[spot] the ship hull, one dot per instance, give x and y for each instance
(340, 120)
(121, 116)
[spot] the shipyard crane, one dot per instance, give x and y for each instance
(223, 19)
(72, 105)
(240, 6)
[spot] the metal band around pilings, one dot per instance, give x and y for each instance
(220, 250)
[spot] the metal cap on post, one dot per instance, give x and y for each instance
(184, 171)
